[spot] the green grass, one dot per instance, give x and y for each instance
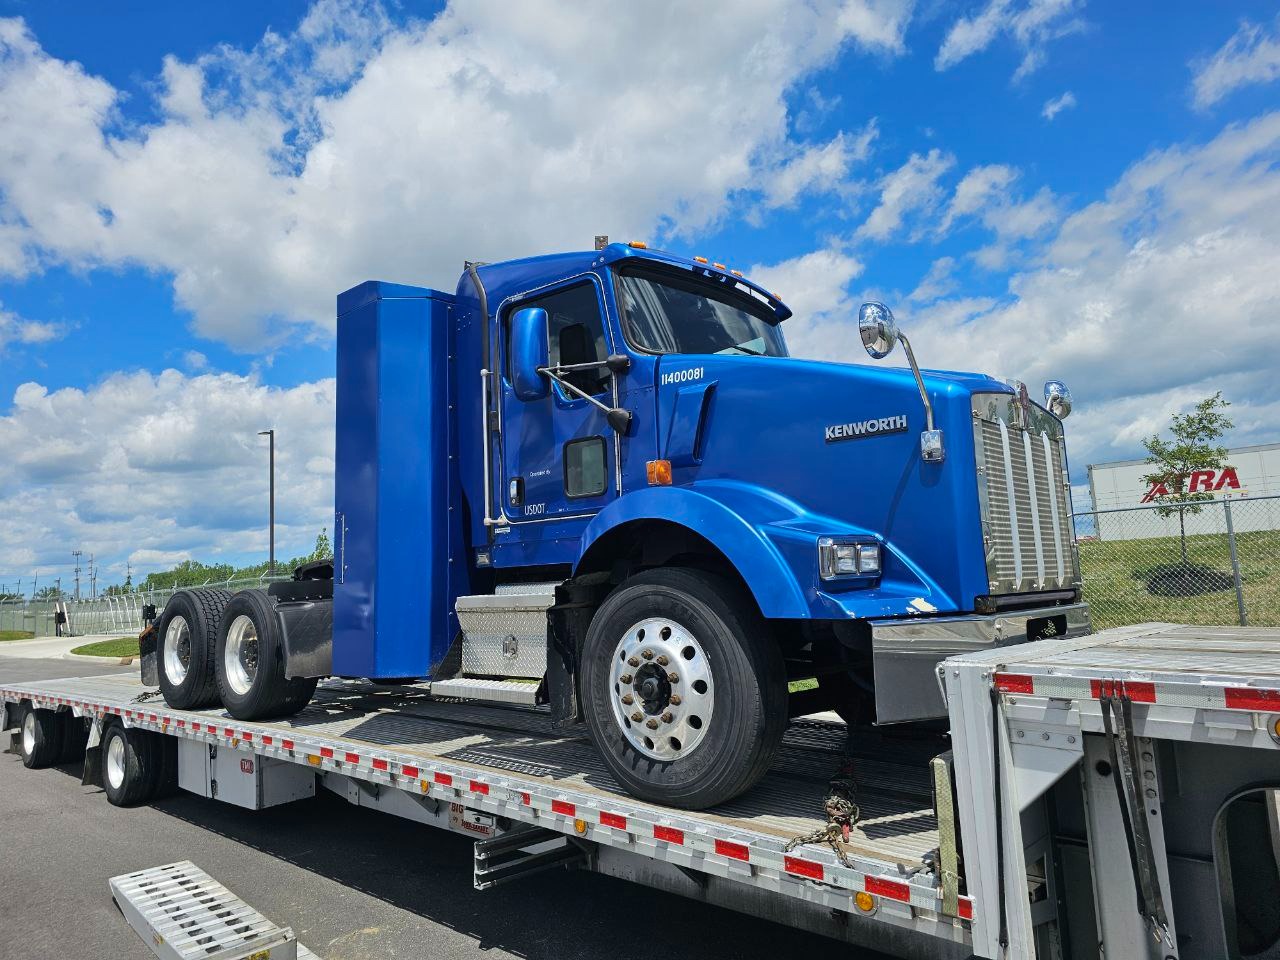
(1116, 590)
(795, 686)
(16, 635)
(119, 647)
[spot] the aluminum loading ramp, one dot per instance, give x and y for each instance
(513, 762)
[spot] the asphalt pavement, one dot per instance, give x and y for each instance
(353, 883)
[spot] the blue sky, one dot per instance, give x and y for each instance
(1039, 188)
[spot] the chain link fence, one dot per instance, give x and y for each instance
(1211, 563)
(116, 614)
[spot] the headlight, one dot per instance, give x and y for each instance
(847, 558)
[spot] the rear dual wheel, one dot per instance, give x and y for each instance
(249, 661)
(188, 632)
(41, 737)
(137, 766)
(684, 687)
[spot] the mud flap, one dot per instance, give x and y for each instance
(148, 643)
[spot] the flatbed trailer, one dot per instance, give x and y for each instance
(1015, 842)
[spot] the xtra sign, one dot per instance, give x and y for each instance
(1200, 481)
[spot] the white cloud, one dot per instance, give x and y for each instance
(350, 148)
(912, 187)
(1251, 56)
(157, 468)
(937, 283)
(979, 188)
(1032, 25)
(820, 168)
(18, 330)
(986, 194)
(1160, 293)
(816, 287)
(1055, 106)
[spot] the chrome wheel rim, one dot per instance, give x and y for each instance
(29, 733)
(177, 650)
(240, 658)
(115, 762)
(661, 688)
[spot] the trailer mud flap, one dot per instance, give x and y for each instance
(148, 643)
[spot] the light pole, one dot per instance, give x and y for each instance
(271, 563)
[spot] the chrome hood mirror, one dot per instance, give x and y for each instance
(1057, 399)
(878, 328)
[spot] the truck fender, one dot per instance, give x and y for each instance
(717, 511)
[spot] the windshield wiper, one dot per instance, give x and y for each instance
(747, 350)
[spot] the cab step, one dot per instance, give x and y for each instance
(492, 691)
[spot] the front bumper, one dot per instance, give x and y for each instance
(906, 653)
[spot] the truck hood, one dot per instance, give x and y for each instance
(835, 449)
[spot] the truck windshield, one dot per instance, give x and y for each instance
(664, 312)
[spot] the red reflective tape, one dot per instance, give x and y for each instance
(326, 752)
(475, 786)
(1015, 683)
(351, 757)
(617, 821)
(889, 889)
(409, 771)
(181, 724)
(669, 834)
(1139, 691)
(565, 809)
(246, 736)
(380, 765)
(525, 798)
(803, 868)
(444, 778)
(266, 741)
(229, 732)
(734, 851)
(287, 744)
(1251, 698)
(153, 718)
(965, 909)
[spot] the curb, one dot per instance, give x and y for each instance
(105, 661)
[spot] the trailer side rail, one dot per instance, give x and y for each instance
(910, 900)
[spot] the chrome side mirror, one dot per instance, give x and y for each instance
(878, 328)
(1057, 399)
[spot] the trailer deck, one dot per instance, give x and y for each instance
(513, 762)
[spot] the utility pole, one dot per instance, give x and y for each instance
(271, 562)
(77, 554)
(128, 574)
(57, 588)
(93, 578)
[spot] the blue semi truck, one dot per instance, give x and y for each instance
(600, 473)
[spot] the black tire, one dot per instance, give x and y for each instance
(75, 736)
(133, 771)
(739, 740)
(40, 737)
(262, 690)
(199, 612)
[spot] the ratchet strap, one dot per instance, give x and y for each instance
(1117, 725)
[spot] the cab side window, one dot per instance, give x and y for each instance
(576, 331)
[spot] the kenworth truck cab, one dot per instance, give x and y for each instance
(602, 471)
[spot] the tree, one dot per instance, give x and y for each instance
(1193, 448)
(48, 594)
(324, 549)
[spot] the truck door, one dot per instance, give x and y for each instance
(558, 452)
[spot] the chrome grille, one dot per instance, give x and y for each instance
(1026, 515)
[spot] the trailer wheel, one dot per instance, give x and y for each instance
(250, 661)
(188, 632)
(684, 687)
(132, 765)
(41, 738)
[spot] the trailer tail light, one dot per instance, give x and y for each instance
(658, 473)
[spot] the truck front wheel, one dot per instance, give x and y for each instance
(250, 661)
(684, 687)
